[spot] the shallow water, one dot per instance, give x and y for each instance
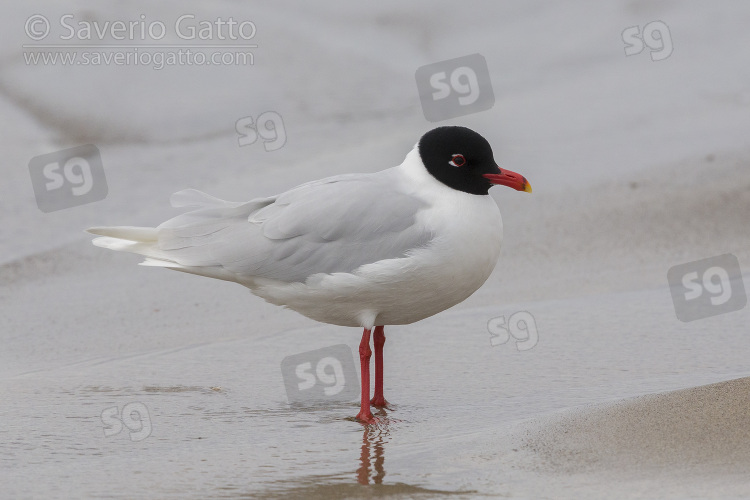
(220, 425)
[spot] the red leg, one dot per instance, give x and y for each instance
(365, 415)
(378, 339)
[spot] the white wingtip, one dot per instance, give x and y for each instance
(159, 263)
(131, 233)
(113, 243)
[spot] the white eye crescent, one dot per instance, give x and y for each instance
(457, 161)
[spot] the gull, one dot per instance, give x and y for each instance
(361, 250)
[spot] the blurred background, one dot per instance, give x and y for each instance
(629, 118)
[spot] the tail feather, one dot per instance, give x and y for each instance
(140, 240)
(209, 271)
(131, 233)
(149, 262)
(143, 241)
(194, 227)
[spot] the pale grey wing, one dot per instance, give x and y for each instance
(334, 225)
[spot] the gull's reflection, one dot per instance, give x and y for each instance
(372, 455)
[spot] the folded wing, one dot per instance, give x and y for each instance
(327, 226)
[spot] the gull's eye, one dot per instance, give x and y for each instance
(457, 161)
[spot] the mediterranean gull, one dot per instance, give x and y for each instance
(362, 250)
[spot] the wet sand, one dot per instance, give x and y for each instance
(689, 443)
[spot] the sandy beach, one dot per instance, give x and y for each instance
(581, 369)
